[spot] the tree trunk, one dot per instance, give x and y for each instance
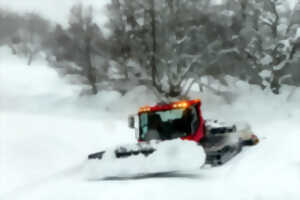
(90, 72)
(275, 85)
(125, 70)
(13, 49)
(30, 58)
(153, 53)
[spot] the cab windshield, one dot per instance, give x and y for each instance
(169, 124)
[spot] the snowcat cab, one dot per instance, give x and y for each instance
(182, 119)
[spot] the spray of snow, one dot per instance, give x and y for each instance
(170, 156)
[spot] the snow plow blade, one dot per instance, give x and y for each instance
(144, 159)
(123, 154)
(128, 150)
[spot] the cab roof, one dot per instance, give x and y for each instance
(173, 105)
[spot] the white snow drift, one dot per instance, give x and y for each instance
(170, 156)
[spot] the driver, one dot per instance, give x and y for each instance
(154, 126)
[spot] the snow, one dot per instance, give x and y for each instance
(292, 3)
(169, 156)
(228, 13)
(265, 74)
(47, 131)
(297, 36)
(266, 60)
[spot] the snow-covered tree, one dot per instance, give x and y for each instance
(36, 30)
(77, 49)
(262, 39)
(165, 38)
(25, 33)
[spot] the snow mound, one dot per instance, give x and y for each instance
(19, 80)
(170, 156)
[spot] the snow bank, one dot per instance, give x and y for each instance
(34, 147)
(37, 79)
(170, 156)
(39, 89)
(31, 87)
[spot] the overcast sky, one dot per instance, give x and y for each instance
(58, 10)
(292, 2)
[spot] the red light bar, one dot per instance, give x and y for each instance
(175, 105)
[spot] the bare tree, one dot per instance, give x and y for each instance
(35, 31)
(83, 33)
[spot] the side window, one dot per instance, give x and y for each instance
(144, 124)
(195, 121)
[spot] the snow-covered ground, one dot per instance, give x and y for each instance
(47, 130)
(170, 156)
